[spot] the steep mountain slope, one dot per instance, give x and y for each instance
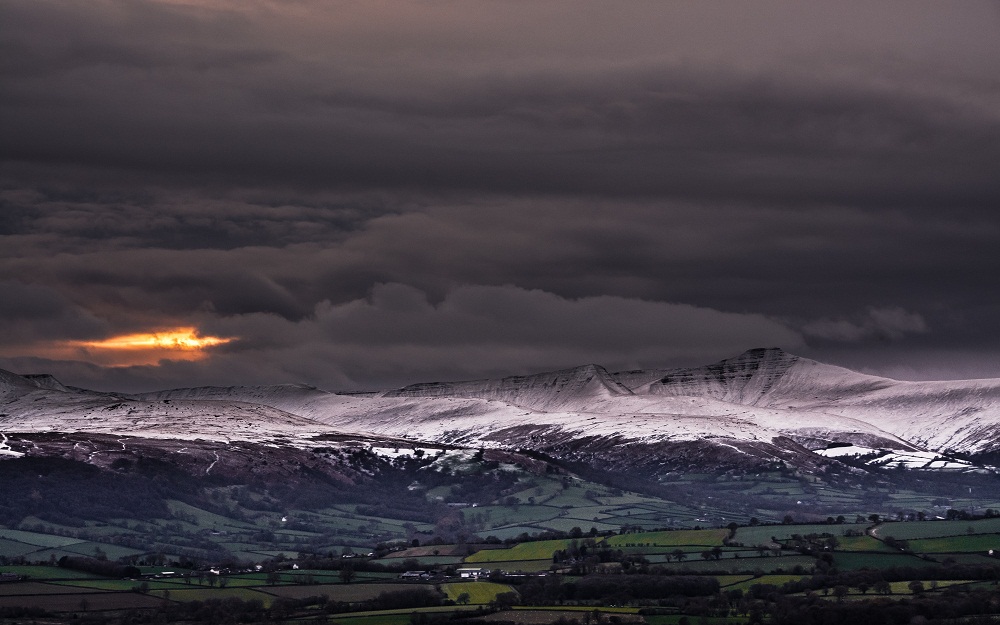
(13, 386)
(963, 415)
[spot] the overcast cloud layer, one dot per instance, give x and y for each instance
(376, 193)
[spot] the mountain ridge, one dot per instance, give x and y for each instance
(762, 404)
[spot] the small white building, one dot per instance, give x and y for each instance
(470, 573)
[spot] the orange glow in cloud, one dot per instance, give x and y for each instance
(179, 338)
(147, 348)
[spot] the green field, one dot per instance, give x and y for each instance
(861, 543)
(479, 592)
(935, 529)
(538, 550)
(976, 543)
(848, 561)
(38, 539)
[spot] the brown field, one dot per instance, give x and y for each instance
(73, 602)
(38, 588)
(339, 592)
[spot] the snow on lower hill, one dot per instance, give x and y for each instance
(48, 411)
(925, 460)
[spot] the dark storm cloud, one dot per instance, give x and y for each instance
(396, 335)
(538, 184)
(390, 106)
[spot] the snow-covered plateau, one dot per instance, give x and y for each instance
(762, 405)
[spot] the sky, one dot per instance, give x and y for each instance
(360, 195)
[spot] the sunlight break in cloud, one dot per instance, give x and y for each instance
(183, 343)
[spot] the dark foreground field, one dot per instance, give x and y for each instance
(871, 572)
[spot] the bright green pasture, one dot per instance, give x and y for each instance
(479, 592)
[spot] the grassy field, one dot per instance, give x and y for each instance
(861, 543)
(976, 543)
(38, 539)
(936, 529)
(479, 592)
(538, 550)
(849, 561)
(13, 549)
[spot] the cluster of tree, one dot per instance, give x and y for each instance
(65, 492)
(99, 567)
(944, 607)
(616, 589)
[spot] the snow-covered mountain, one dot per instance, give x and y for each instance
(764, 404)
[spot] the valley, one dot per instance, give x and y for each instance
(762, 468)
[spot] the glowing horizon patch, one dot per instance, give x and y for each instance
(145, 348)
(178, 338)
